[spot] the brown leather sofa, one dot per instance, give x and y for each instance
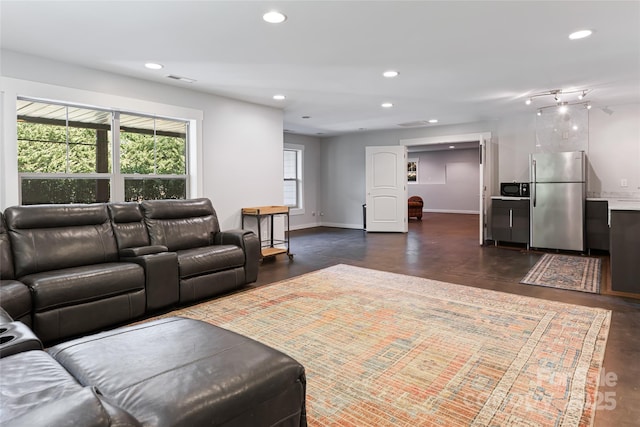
(172, 372)
(72, 269)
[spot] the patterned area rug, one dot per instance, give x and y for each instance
(383, 349)
(575, 273)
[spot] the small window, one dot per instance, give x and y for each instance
(412, 171)
(293, 176)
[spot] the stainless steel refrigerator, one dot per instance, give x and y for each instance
(558, 190)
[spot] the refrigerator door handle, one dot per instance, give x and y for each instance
(533, 173)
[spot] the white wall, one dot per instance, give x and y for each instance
(240, 156)
(448, 180)
(310, 215)
(614, 152)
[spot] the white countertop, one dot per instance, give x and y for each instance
(624, 205)
(619, 203)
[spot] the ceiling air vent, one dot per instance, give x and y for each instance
(182, 79)
(417, 123)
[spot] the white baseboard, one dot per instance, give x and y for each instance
(304, 226)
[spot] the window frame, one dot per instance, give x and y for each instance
(115, 177)
(299, 209)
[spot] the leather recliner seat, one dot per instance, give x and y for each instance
(210, 261)
(68, 257)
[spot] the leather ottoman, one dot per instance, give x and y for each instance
(184, 372)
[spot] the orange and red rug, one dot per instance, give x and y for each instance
(383, 349)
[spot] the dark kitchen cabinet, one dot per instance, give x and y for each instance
(625, 250)
(510, 221)
(597, 224)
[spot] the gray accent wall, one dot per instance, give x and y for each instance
(448, 180)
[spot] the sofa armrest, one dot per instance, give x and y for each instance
(248, 241)
(142, 250)
(161, 277)
(16, 337)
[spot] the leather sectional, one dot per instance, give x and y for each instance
(67, 270)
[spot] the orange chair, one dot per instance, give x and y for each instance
(415, 207)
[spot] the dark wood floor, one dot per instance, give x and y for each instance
(446, 247)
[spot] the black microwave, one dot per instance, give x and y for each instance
(514, 189)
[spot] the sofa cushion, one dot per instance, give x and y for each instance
(209, 259)
(15, 298)
(180, 224)
(29, 380)
(71, 286)
(184, 372)
(50, 237)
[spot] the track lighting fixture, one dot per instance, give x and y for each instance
(561, 102)
(557, 95)
(563, 107)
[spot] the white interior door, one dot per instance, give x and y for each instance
(386, 186)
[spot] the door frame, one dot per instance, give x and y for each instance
(488, 155)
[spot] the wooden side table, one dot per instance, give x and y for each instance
(268, 247)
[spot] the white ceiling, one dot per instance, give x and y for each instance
(459, 61)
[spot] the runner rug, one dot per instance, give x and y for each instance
(383, 349)
(575, 273)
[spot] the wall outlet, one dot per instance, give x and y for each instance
(623, 182)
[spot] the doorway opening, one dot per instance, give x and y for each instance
(455, 174)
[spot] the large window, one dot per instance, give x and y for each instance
(71, 154)
(293, 176)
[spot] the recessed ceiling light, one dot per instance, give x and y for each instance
(153, 66)
(433, 121)
(274, 17)
(580, 34)
(390, 74)
(279, 97)
(386, 105)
